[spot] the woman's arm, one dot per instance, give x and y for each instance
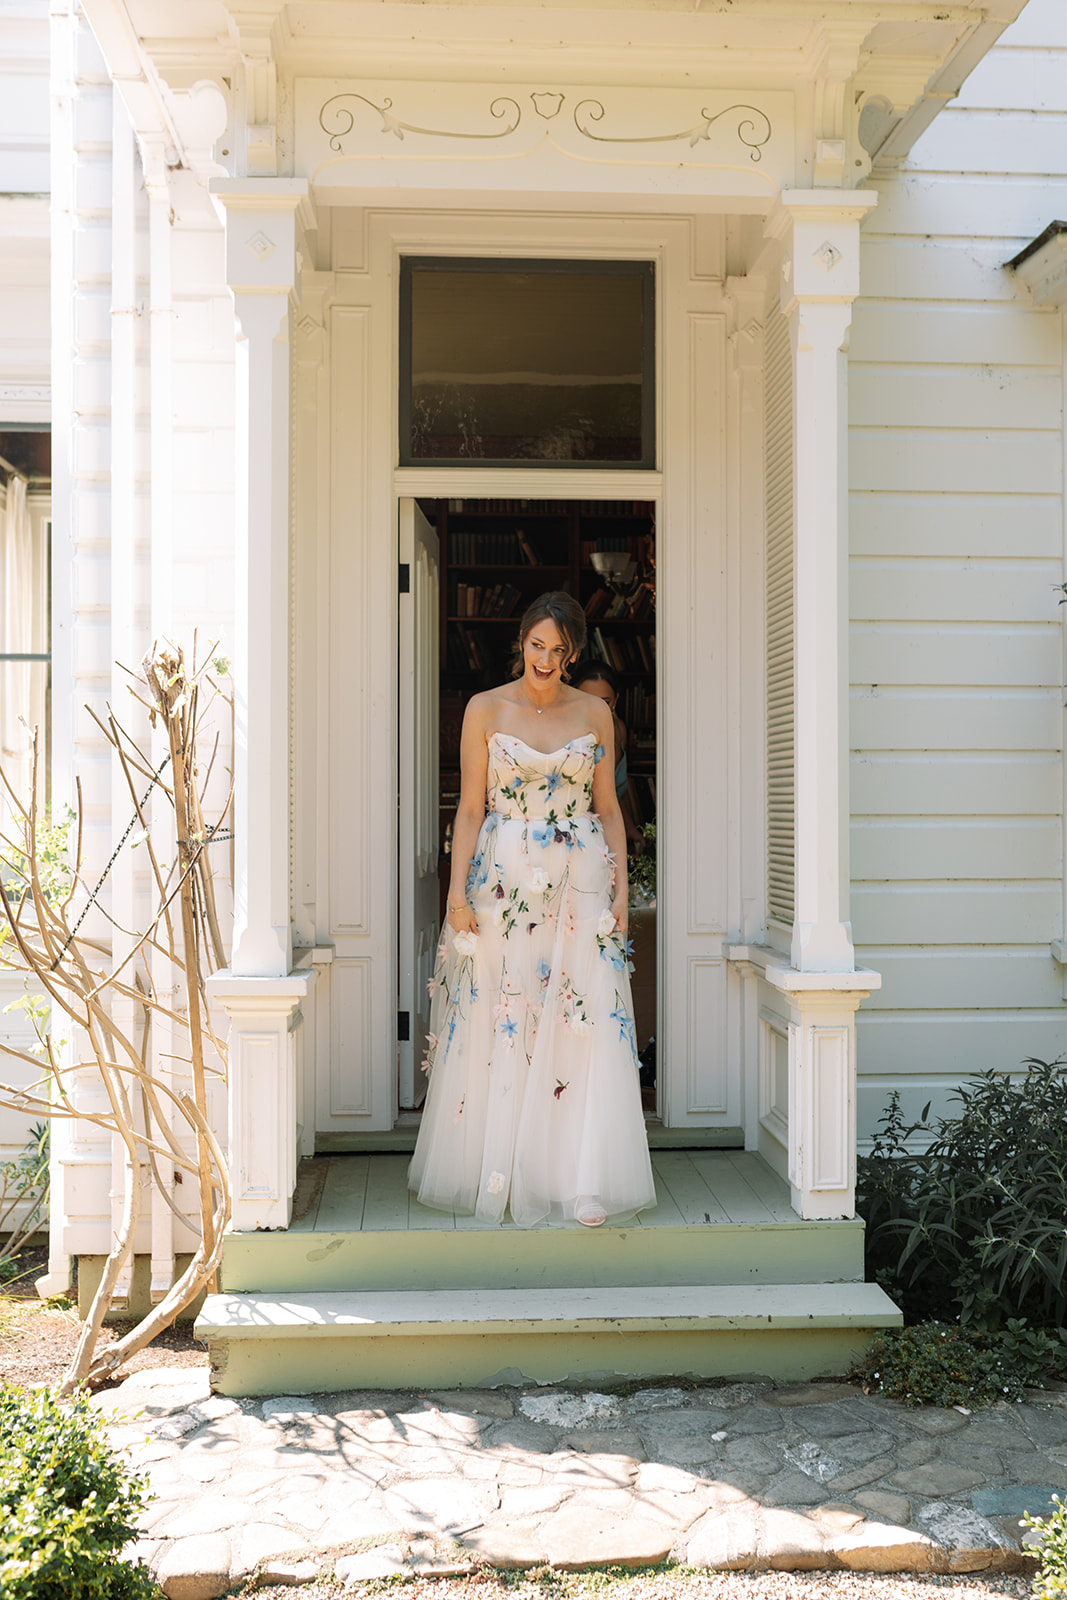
(606, 806)
(470, 813)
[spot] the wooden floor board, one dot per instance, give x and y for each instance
(738, 1199)
(694, 1188)
(687, 1188)
(665, 1213)
(386, 1209)
(344, 1194)
(771, 1189)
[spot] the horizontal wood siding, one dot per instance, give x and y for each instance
(956, 473)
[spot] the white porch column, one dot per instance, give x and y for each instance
(819, 229)
(261, 997)
(821, 988)
(822, 1087)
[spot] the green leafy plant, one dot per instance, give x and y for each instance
(974, 1223)
(54, 873)
(942, 1364)
(641, 867)
(23, 1183)
(67, 1506)
(1051, 1580)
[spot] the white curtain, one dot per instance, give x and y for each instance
(20, 606)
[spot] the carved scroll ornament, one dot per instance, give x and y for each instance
(337, 118)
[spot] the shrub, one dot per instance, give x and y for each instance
(23, 1182)
(940, 1364)
(67, 1506)
(1051, 1580)
(974, 1224)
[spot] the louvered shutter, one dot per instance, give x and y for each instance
(778, 469)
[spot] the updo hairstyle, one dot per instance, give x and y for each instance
(566, 613)
(591, 670)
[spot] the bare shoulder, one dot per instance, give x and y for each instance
(482, 710)
(595, 712)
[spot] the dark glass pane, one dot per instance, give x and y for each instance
(522, 361)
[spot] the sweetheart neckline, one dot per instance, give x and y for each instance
(498, 733)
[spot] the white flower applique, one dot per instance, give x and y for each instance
(538, 880)
(495, 1183)
(605, 924)
(466, 943)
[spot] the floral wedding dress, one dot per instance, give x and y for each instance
(533, 1100)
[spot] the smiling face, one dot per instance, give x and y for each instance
(545, 654)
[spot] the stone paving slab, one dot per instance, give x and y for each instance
(741, 1477)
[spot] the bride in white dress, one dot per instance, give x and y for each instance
(533, 1100)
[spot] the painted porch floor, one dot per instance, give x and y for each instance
(694, 1188)
(368, 1288)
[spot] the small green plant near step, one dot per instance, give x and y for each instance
(942, 1364)
(67, 1505)
(1051, 1580)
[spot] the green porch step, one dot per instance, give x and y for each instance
(793, 1252)
(323, 1342)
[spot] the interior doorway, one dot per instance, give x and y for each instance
(488, 558)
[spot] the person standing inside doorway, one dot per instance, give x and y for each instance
(533, 1100)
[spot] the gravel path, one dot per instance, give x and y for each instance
(684, 1582)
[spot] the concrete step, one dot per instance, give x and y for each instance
(469, 1258)
(324, 1342)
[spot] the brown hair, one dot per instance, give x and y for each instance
(565, 612)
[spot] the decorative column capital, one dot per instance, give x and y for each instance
(264, 219)
(820, 234)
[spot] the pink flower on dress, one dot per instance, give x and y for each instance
(557, 1093)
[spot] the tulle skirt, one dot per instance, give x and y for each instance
(534, 1102)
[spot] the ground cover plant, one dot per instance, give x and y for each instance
(943, 1364)
(67, 1505)
(1051, 1580)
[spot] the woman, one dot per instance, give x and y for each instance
(533, 1099)
(596, 677)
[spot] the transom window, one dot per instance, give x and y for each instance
(549, 361)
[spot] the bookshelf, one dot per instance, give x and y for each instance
(498, 555)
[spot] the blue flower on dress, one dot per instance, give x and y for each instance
(598, 755)
(626, 1027)
(552, 783)
(612, 952)
(508, 1027)
(543, 833)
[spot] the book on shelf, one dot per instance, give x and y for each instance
(529, 554)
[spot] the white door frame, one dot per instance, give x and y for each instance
(700, 665)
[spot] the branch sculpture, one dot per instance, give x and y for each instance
(74, 982)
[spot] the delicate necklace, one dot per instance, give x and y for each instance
(529, 702)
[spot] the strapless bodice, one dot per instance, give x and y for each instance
(531, 785)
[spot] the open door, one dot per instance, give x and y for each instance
(419, 792)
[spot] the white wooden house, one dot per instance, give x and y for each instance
(853, 455)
